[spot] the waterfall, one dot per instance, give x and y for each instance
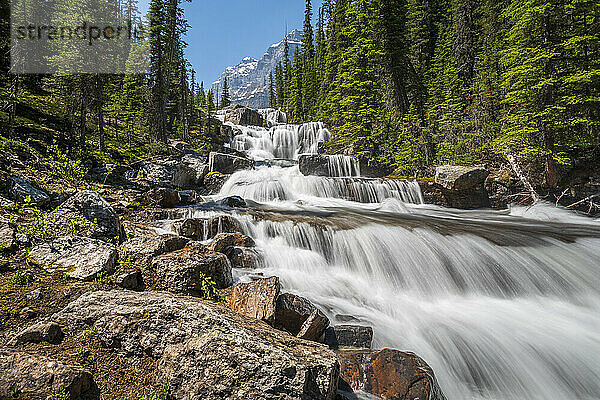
(502, 305)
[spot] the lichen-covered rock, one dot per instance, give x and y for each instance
(90, 215)
(242, 115)
(32, 377)
(183, 271)
(467, 199)
(80, 257)
(162, 197)
(214, 182)
(349, 336)
(130, 279)
(455, 177)
(20, 190)
(7, 235)
(388, 374)
(151, 245)
(227, 163)
(243, 257)
(204, 350)
(205, 228)
(49, 332)
(257, 299)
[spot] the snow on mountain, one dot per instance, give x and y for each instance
(249, 80)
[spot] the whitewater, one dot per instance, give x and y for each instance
(501, 304)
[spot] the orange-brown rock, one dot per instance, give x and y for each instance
(388, 374)
(314, 326)
(257, 299)
(224, 240)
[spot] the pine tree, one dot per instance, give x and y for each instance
(279, 86)
(272, 96)
(225, 100)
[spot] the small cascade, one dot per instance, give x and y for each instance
(280, 141)
(343, 166)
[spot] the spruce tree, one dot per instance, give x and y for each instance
(225, 99)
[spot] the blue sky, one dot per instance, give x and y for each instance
(223, 32)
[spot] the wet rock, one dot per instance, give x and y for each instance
(183, 271)
(389, 374)
(349, 336)
(162, 197)
(204, 350)
(243, 257)
(91, 215)
(456, 177)
(33, 377)
(467, 199)
(81, 258)
(152, 246)
(233, 202)
(293, 311)
(241, 115)
(346, 318)
(132, 280)
(49, 332)
(205, 228)
(224, 240)
(314, 326)
(20, 189)
(257, 299)
(314, 164)
(213, 182)
(190, 197)
(228, 164)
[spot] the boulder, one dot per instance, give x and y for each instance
(33, 377)
(314, 164)
(349, 336)
(152, 246)
(162, 197)
(243, 257)
(227, 163)
(155, 174)
(257, 299)
(190, 171)
(49, 332)
(213, 183)
(224, 240)
(456, 177)
(292, 312)
(90, 215)
(82, 258)
(241, 115)
(388, 374)
(466, 199)
(131, 279)
(204, 350)
(205, 228)
(233, 202)
(20, 189)
(183, 271)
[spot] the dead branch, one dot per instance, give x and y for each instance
(517, 169)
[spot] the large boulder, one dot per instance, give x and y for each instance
(213, 182)
(184, 271)
(203, 350)
(243, 257)
(90, 215)
(349, 336)
(20, 190)
(26, 376)
(262, 299)
(455, 177)
(314, 164)
(161, 197)
(80, 257)
(241, 115)
(190, 171)
(388, 374)
(186, 172)
(466, 199)
(227, 163)
(222, 241)
(205, 228)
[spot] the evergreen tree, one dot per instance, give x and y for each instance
(272, 96)
(225, 100)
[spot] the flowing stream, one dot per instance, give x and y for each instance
(501, 304)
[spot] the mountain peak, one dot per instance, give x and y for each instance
(249, 80)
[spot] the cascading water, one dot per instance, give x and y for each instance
(502, 305)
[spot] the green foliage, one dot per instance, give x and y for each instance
(208, 288)
(21, 278)
(162, 395)
(61, 394)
